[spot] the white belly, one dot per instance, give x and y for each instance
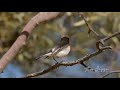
(64, 52)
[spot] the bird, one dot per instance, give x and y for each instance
(58, 51)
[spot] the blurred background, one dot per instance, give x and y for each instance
(48, 34)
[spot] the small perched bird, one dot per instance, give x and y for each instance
(59, 51)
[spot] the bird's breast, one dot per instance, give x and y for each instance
(63, 52)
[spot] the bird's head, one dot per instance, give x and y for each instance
(64, 41)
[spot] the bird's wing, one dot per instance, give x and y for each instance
(44, 56)
(58, 49)
(55, 49)
(52, 52)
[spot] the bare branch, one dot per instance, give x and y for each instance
(79, 61)
(43, 72)
(88, 25)
(102, 41)
(116, 71)
(109, 37)
(21, 40)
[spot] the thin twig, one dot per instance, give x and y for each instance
(85, 58)
(88, 25)
(109, 37)
(116, 71)
(102, 41)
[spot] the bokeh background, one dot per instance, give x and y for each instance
(48, 34)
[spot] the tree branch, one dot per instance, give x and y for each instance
(21, 40)
(79, 61)
(109, 37)
(89, 26)
(102, 41)
(116, 71)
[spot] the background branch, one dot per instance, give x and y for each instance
(116, 71)
(89, 26)
(21, 40)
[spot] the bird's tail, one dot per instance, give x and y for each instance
(43, 57)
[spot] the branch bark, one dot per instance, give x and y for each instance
(21, 40)
(79, 61)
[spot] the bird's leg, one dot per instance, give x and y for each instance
(55, 60)
(87, 67)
